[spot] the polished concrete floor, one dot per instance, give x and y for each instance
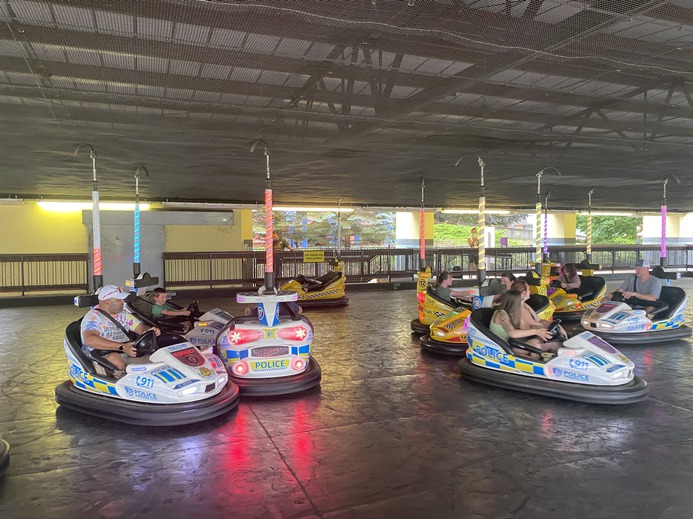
(391, 432)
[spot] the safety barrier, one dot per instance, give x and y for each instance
(24, 273)
(21, 273)
(212, 269)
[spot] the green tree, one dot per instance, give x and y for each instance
(319, 229)
(612, 229)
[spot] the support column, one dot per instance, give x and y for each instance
(562, 228)
(677, 224)
(407, 229)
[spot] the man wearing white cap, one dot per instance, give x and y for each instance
(99, 332)
(642, 285)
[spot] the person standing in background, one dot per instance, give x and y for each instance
(473, 242)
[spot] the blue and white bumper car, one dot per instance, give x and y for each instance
(586, 369)
(177, 385)
(617, 322)
(268, 352)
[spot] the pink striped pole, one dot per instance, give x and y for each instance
(269, 228)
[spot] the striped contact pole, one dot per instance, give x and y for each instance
(589, 225)
(481, 266)
(422, 230)
(663, 245)
(269, 230)
(136, 250)
(545, 248)
(96, 221)
(538, 226)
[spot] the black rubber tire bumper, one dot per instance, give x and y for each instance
(322, 303)
(419, 328)
(4, 457)
(630, 393)
(444, 348)
(569, 316)
(647, 338)
(280, 385)
(141, 413)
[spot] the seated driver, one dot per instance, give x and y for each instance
(162, 309)
(100, 332)
(641, 285)
(444, 291)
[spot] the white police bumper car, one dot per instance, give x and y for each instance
(178, 384)
(586, 369)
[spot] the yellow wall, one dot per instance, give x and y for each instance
(563, 226)
(28, 229)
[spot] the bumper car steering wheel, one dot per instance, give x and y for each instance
(556, 332)
(146, 343)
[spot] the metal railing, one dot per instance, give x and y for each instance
(211, 269)
(43, 272)
(22, 273)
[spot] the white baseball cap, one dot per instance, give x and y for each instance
(642, 264)
(111, 292)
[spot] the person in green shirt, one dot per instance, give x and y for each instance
(162, 310)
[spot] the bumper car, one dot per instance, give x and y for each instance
(177, 385)
(269, 354)
(432, 308)
(586, 369)
(4, 457)
(617, 322)
(572, 304)
(327, 290)
(538, 299)
(141, 302)
(448, 336)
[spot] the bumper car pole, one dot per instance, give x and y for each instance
(589, 225)
(545, 232)
(96, 221)
(269, 245)
(339, 228)
(136, 270)
(481, 265)
(663, 246)
(422, 229)
(537, 227)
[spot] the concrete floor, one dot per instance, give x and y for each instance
(391, 432)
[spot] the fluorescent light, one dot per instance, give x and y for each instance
(313, 209)
(61, 206)
(207, 206)
(11, 201)
(608, 213)
(475, 211)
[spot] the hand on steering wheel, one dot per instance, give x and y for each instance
(146, 343)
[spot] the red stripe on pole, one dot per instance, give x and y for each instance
(97, 262)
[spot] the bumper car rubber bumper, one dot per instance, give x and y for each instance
(280, 385)
(4, 457)
(418, 327)
(645, 338)
(632, 392)
(458, 349)
(140, 413)
(323, 303)
(569, 316)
